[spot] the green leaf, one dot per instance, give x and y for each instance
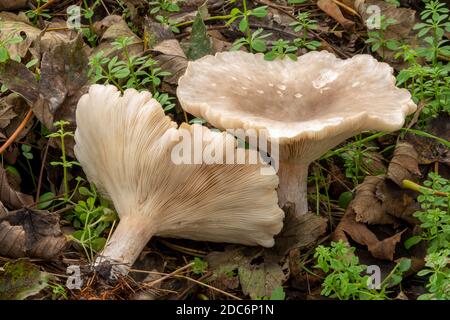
(26, 148)
(259, 12)
(44, 200)
(344, 199)
(269, 56)
(243, 25)
(13, 171)
(200, 43)
(412, 241)
(235, 12)
(404, 265)
(278, 294)
(395, 279)
(31, 63)
(259, 45)
(85, 191)
(199, 266)
(4, 55)
(98, 244)
(20, 280)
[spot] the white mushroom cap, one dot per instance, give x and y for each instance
(308, 106)
(315, 98)
(124, 144)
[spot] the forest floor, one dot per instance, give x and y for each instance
(379, 203)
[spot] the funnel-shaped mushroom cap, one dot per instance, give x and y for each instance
(308, 106)
(317, 97)
(125, 144)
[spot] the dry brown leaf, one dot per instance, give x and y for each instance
(19, 79)
(6, 112)
(398, 202)
(109, 30)
(30, 233)
(404, 164)
(36, 40)
(167, 51)
(367, 207)
(299, 232)
(332, 9)
(360, 233)
(373, 163)
(13, 4)
(385, 249)
(10, 197)
(402, 30)
(430, 150)
(17, 109)
(63, 81)
(258, 269)
(219, 42)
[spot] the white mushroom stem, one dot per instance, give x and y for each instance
(125, 245)
(292, 189)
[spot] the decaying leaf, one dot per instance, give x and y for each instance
(21, 279)
(30, 233)
(299, 232)
(430, 150)
(6, 112)
(10, 197)
(361, 234)
(402, 30)
(63, 81)
(218, 42)
(111, 28)
(35, 40)
(13, 109)
(332, 9)
(19, 79)
(404, 164)
(373, 163)
(200, 43)
(167, 50)
(13, 4)
(258, 269)
(367, 207)
(398, 202)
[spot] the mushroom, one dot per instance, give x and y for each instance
(308, 106)
(128, 147)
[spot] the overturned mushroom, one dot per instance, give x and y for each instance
(126, 146)
(308, 106)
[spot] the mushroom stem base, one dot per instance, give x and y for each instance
(124, 247)
(292, 190)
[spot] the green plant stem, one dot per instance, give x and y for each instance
(64, 159)
(186, 23)
(408, 184)
(249, 34)
(427, 135)
(31, 173)
(336, 152)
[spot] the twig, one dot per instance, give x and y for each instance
(44, 6)
(346, 7)
(209, 287)
(190, 279)
(151, 284)
(189, 251)
(17, 132)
